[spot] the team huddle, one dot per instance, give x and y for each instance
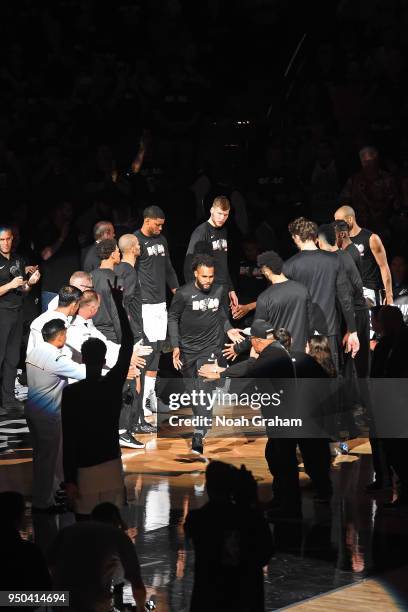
(324, 291)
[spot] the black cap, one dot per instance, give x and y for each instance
(259, 329)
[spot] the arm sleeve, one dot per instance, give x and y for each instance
(68, 438)
(239, 370)
(115, 319)
(175, 312)
(344, 297)
(171, 276)
(223, 319)
(65, 367)
(132, 303)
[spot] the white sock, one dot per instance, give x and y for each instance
(148, 391)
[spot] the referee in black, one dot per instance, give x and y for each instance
(196, 318)
(13, 286)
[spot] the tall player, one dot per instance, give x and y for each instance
(375, 271)
(214, 233)
(155, 271)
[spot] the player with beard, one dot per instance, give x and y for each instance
(215, 234)
(196, 317)
(375, 270)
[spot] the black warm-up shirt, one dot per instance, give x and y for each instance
(106, 319)
(217, 239)
(354, 279)
(155, 268)
(132, 297)
(9, 269)
(325, 278)
(91, 409)
(196, 318)
(353, 251)
(287, 305)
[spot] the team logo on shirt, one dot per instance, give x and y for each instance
(220, 245)
(360, 248)
(156, 249)
(206, 304)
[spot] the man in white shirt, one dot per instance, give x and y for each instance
(68, 303)
(82, 328)
(79, 279)
(48, 371)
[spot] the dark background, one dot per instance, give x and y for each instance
(83, 83)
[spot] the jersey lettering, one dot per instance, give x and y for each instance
(206, 304)
(220, 245)
(156, 249)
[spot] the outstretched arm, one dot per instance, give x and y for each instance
(378, 250)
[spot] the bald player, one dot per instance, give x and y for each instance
(79, 279)
(128, 276)
(376, 274)
(129, 280)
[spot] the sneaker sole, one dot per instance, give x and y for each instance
(130, 445)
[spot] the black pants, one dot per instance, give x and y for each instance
(334, 349)
(280, 454)
(132, 406)
(192, 362)
(11, 331)
(362, 359)
(317, 462)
